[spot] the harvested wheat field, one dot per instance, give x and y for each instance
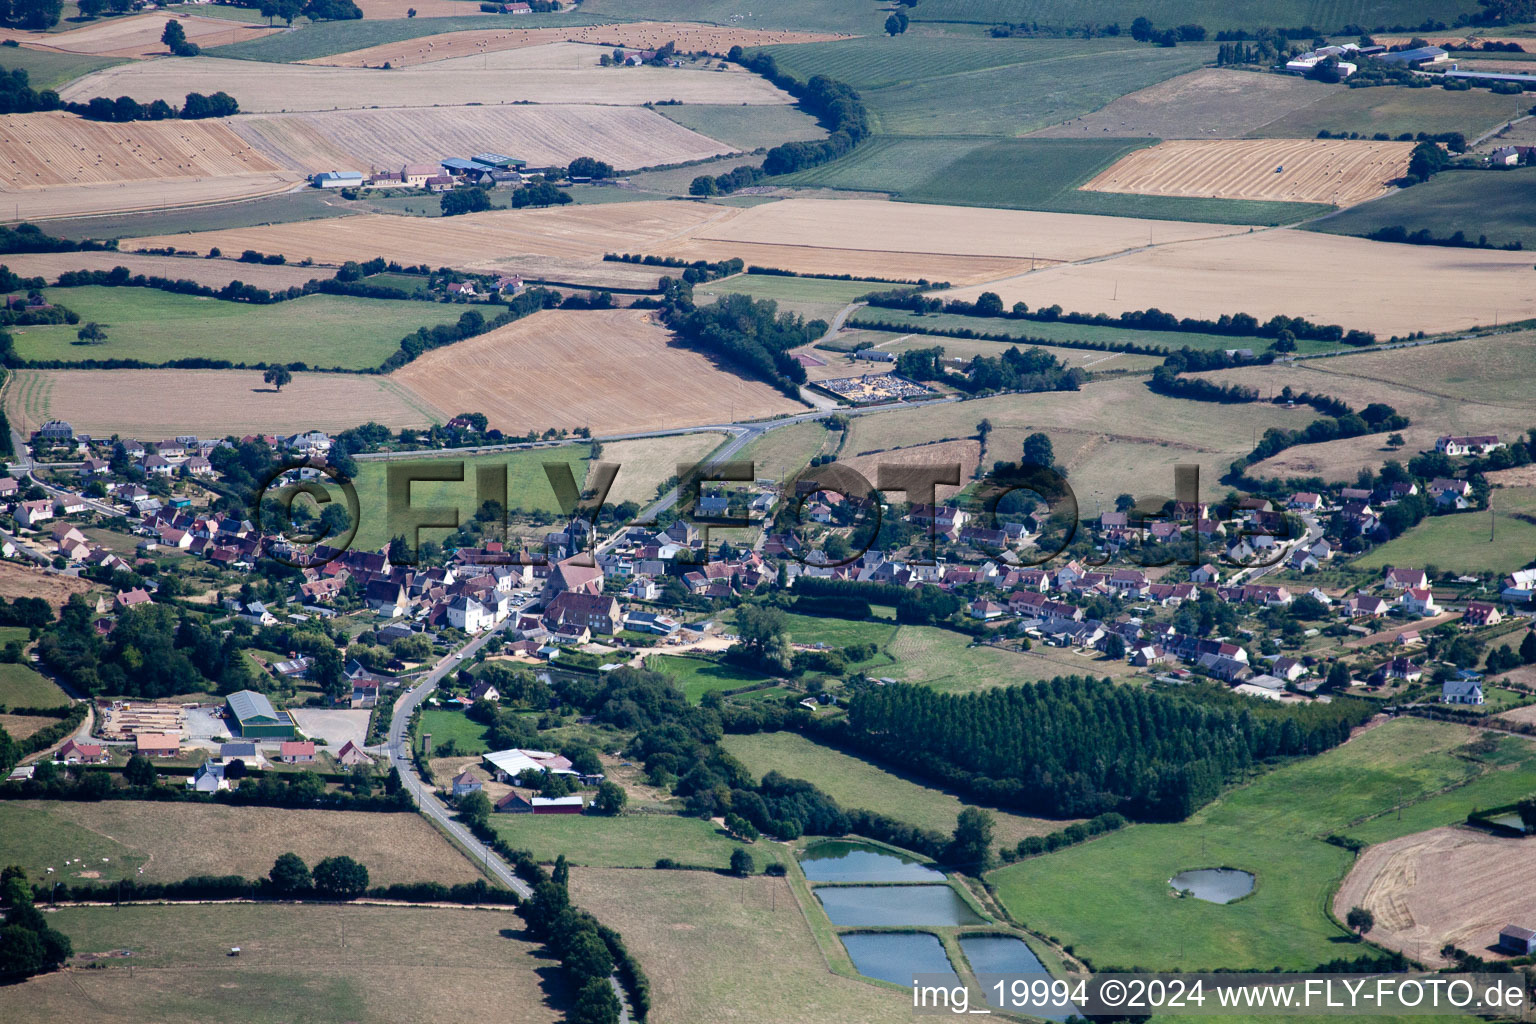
(18, 580)
(555, 239)
(43, 150)
(154, 194)
(1211, 103)
(640, 35)
(139, 36)
(876, 226)
(1337, 171)
(545, 134)
(389, 10)
(965, 453)
(267, 88)
(213, 273)
(1447, 885)
(1375, 286)
(614, 371)
(164, 403)
(19, 727)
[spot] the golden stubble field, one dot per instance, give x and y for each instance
(614, 371)
(641, 35)
(1447, 885)
(267, 88)
(542, 134)
(54, 148)
(215, 273)
(1337, 171)
(164, 403)
(1331, 279)
(138, 36)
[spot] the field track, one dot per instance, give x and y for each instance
(139, 36)
(1447, 885)
(625, 136)
(1336, 171)
(1389, 289)
(643, 35)
(268, 88)
(614, 371)
(164, 403)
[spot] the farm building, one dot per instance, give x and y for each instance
(558, 805)
(416, 175)
(337, 179)
(509, 764)
(457, 167)
(514, 803)
(1420, 55)
(256, 718)
(1493, 76)
(498, 162)
(1518, 940)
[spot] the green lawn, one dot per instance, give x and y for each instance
(811, 629)
(1460, 541)
(800, 15)
(810, 297)
(912, 323)
(49, 70)
(22, 687)
(746, 127)
(1110, 897)
(627, 841)
(1492, 203)
(857, 783)
(1396, 110)
(323, 331)
(698, 676)
(528, 489)
(468, 735)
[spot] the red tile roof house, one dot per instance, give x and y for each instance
(74, 752)
(297, 752)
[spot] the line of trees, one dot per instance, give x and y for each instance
(1077, 747)
(990, 305)
(835, 105)
(27, 945)
(196, 107)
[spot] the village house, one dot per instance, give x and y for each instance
(30, 513)
(598, 612)
(297, 752)
(1480, 444)
(1406, 579)
(465, 783)
(1480, 613)
(1418, 601)
(75, 752)
(1461, 691)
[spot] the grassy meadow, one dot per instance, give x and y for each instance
(171, 841)
(157, 327)
(527, 489)
(23, 687)
(1110, 897)
(321, 39)
(1461, 541)
(858, 783)
(746, 127)
(1496, 204)
(698, 676)
(47, 69)
(299, 964)
(1215, 15)
(445, 725)
(1394, 111)
(810, 297)
(627, 841)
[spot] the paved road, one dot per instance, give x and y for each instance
(399, 756)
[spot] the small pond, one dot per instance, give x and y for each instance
(895, 905)
(1510, 820)
(1214, 885)
(898, 956)
(840, 861)
(1012, 959)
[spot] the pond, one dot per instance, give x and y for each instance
(1010, 959)
(895, 905)
(898, 956)
(1510, 820)
(841, 861)
(1214, 885)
